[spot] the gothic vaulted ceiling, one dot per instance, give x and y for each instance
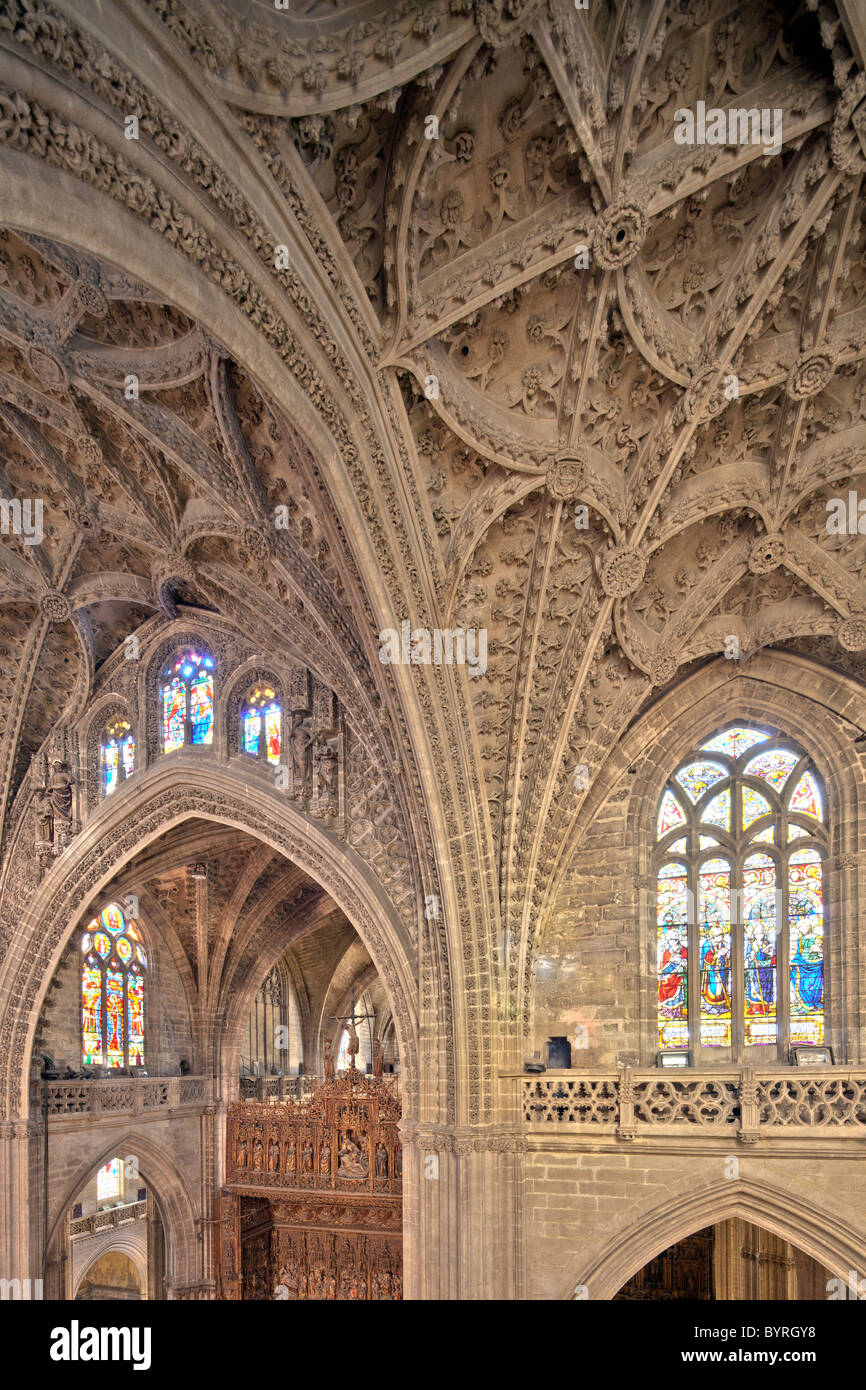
(598, 385)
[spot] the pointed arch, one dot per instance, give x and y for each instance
(815, 1231)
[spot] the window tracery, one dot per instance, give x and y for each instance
(741, 842)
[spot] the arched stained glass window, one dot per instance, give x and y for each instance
(261, 724)
(117, 755)
(187, 699)
(741, 844)
(113, 967)
(108, 1181)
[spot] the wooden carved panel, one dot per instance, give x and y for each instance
(314, 1202)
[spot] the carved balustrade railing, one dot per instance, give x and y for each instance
(125, 1095)
(746, 1104)
(263, 1088)
(108, 1219)
(298, 1088)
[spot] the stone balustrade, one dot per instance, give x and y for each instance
(746, 1104)
(123, 1095)
(278, 1087)
(107, 1219)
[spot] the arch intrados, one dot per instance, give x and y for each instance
(120, 1247)
(818, 1234)
(330, 863)
(165, 1183)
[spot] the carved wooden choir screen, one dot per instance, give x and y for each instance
(313, 1204)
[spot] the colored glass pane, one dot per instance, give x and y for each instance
(760, 910)
(135, 1019)
(173, 714)
(707, 842)
(102, 943)
(114, 1018)
(796, 832)
(86, 942)
(132, 931)
(142, 956)
(672, 945)
(252, 723)
(806, 928)
(806, 798)
(272, 732)
(201, 708)
(734, 742)
(677, 846)
(108, 1181)
(110, 767)
(775, 767)
(697, 778)
(714, 920)
(718, 812)
(671, 814)
(764, 837)
(128, 755)
(754, 806)
(124, 949)
(112, 919)
(91, 1009)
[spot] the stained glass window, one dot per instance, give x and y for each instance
(765, 836)
(806, 927)
(806, 798)
(760, 934)
(671, 814)
(714, 908)
(108, 1181)
(673, 954)
(754, 947)
(117, 755)
(697, 778)
(734, 742)
(261, 724)
(754, 806)
(187, 695)
(718, 811)
(112, 991)
(775, 766)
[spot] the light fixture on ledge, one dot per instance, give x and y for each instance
(673, 1059)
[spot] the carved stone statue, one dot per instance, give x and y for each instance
(325, 1159)
(54, 802)
(329, 1060)
(299, 741)
(378, 1057)
(381, 1161)
(326, 775)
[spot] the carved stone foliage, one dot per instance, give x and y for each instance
(615, 374)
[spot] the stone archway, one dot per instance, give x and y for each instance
(827, 1240)
(113, 838)
(110, 841)
(165, 1181)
